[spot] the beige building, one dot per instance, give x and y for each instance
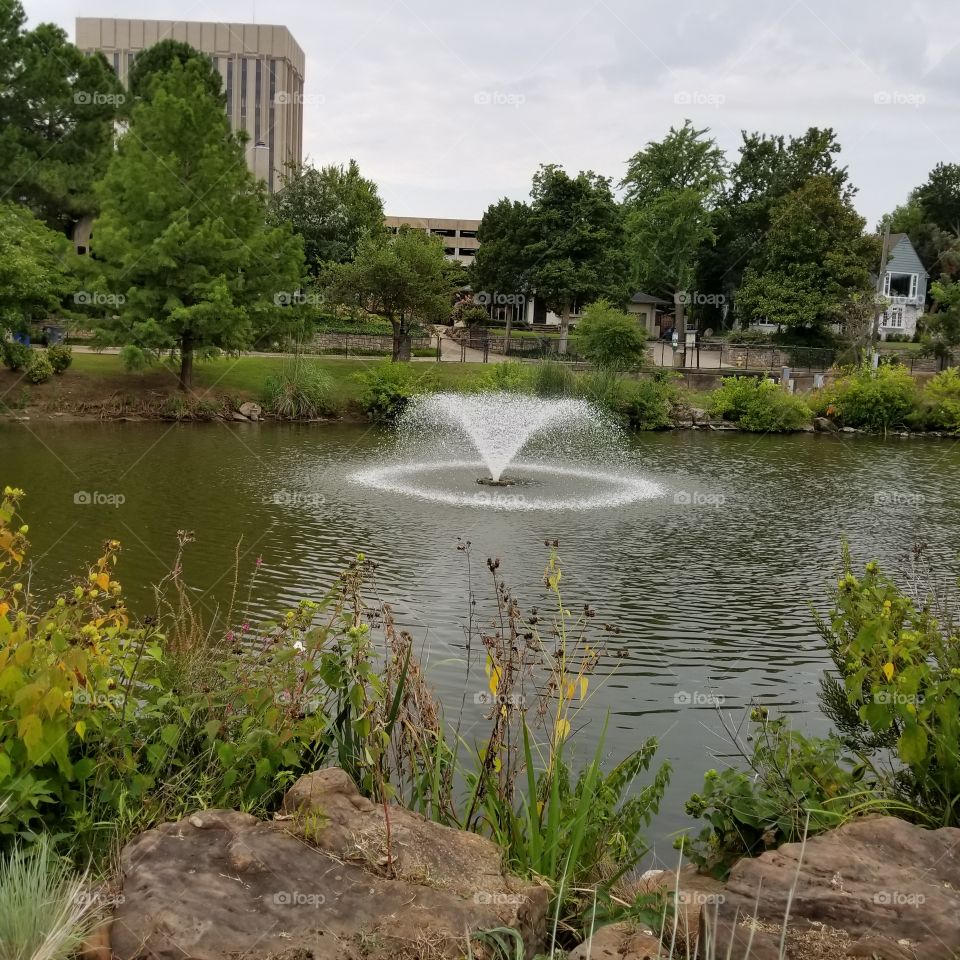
(261, 66)
(459, 236)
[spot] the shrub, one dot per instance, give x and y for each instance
(300, 391)
(389, 387)
(60, 357)
(605, 388)
(760, 406)
(38, 368)
(551, 378)
(510, 375)
(871, 399)
(610, 338)
(795, 785)
(897, 686)
(749, 336)
(650, 402)
(15, 354)
(939, 407)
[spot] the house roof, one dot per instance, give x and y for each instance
(641, 297)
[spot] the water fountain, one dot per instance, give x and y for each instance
(499, 425)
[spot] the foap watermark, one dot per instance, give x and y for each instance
(86, 498)
(697, 899)
(95, 298)
(898, 498)
(98, 99)
(485, 698)
(698, 498)
(499, 501)
(293, 298)
(698, 98)
(484, 298)
(697, 698)
(697, 298)
(897, 698)
(499, 898)
(498, 98)
(296, 898)
(98, 899)
(897, 898)
(898, 98)
(295, 498)
(88, 698)
(283, 97)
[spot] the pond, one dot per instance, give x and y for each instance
(711, 583)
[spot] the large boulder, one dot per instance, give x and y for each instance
(877, 887)
(321, 881)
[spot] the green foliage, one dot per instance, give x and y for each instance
(38, 368)
(45, 911)
(941, 330)
(16, 355)
(57, 118)
(60, 357)
(871, 399)
(151, 64)
(389, 387)
(331, 208)
(610, 338)
(649, 403)
(552, 378)
(33, 267)
(510, 375)
(501, 264)
(403, 277)
(300, 391)
(795, 786)
(749, 335)
(189, 275)
(939, 406)
(758, 405)
(897, 685)
(814, 260)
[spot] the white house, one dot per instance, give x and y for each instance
(905, 286)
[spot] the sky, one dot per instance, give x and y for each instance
(451, 106)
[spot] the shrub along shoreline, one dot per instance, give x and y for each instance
(309, 389)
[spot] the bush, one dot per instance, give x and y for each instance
(60, 357)
(650, 402)
(870, 399)
(389, 387)
(510, 375)
(760, 406)
(939, 407)
(551, 378)
(300, 391)
(38, 368)
(610, 338)
(795, 785)
(748, 337)
(15, 354)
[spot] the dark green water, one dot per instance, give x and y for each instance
(712, 599)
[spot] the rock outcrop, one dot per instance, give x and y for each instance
(321, 881)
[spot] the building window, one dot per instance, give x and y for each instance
(257, 91)
(450, 251)
(443, 232)
(230, 88)
(272, 115)
(243, 93)
(464, 252)
(116, 62)
(468, 234)
(900, 285)
(893, 318)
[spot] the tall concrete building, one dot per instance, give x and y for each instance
(459, 236)
(261, 66)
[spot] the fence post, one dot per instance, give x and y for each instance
(346, 346)
(439, 349)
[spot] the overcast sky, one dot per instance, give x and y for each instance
(450, 106)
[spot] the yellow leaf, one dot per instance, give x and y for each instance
(563, 729)
(494, 680)
(103, 581)
(570, 688)
(81, 728)
(4, 607)
(888, 670)
(584, 681)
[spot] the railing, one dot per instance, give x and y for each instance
(723, 355)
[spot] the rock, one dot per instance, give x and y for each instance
(251, 410)
(882, 879)
(808, 428)
(238, 416)
(848, 429)
(692, 892)
(824, 425)
(317, 882)
(699, 415)
(618, 941)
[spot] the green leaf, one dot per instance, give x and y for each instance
(912, 745)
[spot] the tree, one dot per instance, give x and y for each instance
(939, 197)
(403, 277)
(610, 338)
(33, 267)
(942, 328)
(576, 249)
(182, 232)
(157, 60)
(331, 208)
(814, 260)
(57, 112)
(671, 187)
(767, 169)
(501, 262)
